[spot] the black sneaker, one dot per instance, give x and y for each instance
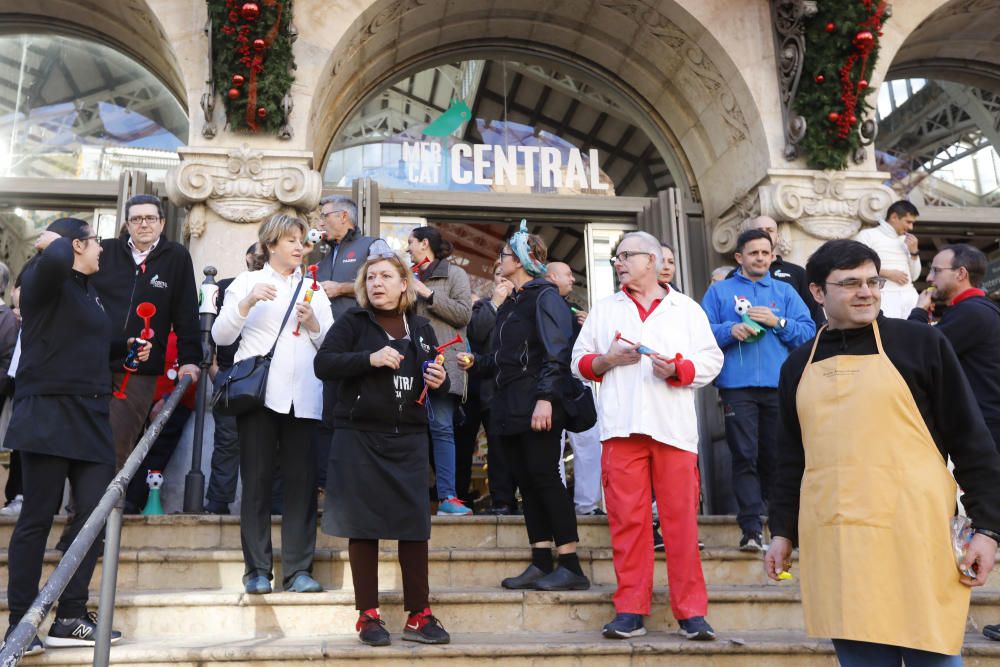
(35, 646)
(76, 632)
(597, 511)
(992, 632)
(624, 626)
(423, 627)
(657, 536)
(696, 628)
(752, 542)
(562, 579)
(371, 629)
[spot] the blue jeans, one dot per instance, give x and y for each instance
(443, 441)
(752, 432)
(852, 653)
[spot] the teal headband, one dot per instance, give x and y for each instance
(519, 244)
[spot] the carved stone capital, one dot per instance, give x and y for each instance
(824, 204)
(243, 185)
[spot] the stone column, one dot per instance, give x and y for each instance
(230, 191)
(810, 206)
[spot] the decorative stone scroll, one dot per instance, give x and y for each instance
(242, 185)
(824, 204)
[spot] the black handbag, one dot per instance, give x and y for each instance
(244, 386)
(578, 403)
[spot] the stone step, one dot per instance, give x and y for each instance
(223, 532)
(754, 648)
(183, 569)
(222, 569)
(732, 609)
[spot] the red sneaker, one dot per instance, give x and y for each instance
(371, 629)
(423, 627)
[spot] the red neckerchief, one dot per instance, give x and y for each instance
(643, 313)
(967, 294)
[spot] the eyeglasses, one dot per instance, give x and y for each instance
(95, 237)
(329, 213)
(624, 255)
(149, 220)
(939, 269)
(854, 284)
(505, 254)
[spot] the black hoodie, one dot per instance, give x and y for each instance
(165, 279)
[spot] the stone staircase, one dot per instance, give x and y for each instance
(180, 602)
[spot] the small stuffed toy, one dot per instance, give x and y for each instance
(743, 307)
(154, 480)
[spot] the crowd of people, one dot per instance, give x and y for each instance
(841, 408)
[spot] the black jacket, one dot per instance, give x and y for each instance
(927, 363)
(341, 264)
(66, 338)
(165, 279)
(9, 327)
(972, 326)
(377, 399)
(530, 355)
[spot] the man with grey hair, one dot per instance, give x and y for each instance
(348, 250)
(650, 346)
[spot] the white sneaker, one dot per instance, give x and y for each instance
(13, 508)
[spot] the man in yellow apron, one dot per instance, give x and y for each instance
(870, 411)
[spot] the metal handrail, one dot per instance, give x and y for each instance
(108, 510)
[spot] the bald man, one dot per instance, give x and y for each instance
(787, 272)
(587, 445)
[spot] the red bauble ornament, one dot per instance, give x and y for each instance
(852, 119)
(833, 116)
(864, 39)
(262, 112)
(234, 93)
(238, 80)
(259, 44)
(862, 84)
(250, 11)
(830, 27)
(820, 78)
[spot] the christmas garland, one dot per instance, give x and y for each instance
(252, 61)
(842, 44)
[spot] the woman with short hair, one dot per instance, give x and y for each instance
(444, 297)
(383, 357)
(279, 433)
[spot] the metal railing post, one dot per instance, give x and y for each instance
(109, 583)
(194, 482)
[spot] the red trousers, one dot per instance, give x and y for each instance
(631, 468)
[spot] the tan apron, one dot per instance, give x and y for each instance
(876, 501)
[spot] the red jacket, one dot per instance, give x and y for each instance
(166, 382)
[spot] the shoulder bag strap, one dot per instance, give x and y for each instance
(287, 315)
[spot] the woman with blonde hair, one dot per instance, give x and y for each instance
(383, 356)
(265, 309)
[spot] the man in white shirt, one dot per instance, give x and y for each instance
(897, 249)
(650, 346)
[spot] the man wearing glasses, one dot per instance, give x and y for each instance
(871, 410)
(757, 320)
(348, 250)
(141, 266)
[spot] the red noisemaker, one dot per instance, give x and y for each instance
(418, 265)
(313, 268)
(145, 310)
(439, 359)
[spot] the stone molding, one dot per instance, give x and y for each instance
(824, 204)
(242, 185)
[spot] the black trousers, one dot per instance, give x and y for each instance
(751, 417)
(266, 439)
(14, 486)
(225, 460)
(157, 459)
(548, 506)
(498, 471)
(364, 573)
(44, 479)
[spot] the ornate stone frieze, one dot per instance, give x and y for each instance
(824, 204)
(790, 46)
(242, 185)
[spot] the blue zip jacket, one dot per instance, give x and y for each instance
(756, 364)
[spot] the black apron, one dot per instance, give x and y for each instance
(376, 486)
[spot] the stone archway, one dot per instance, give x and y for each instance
(696, 103)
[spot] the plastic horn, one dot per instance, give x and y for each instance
(313, 268)
(439, 359)
(641, 349)
(146, 310)
(416, 267)
(308, 297)
(454, 341)
(131, 365)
